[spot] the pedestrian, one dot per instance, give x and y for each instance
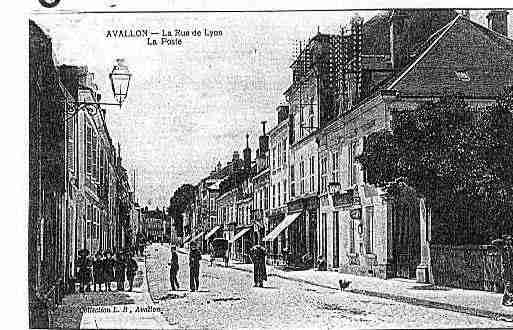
(505, 247)
(194, 266)
(257, 255)
(98, 266)
(173, 269)
(84, 272)
(108, 270)
(119, 272)
(131, 270)
(321, 263)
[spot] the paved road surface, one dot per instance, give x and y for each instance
(227, 299)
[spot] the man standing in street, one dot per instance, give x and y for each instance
(119, 272)
(131, 269)
(258, 254)
(194, 266)
(173, 269)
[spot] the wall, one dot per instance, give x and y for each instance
(474, 267)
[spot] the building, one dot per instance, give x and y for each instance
(79, 192)
(277, 242)
(47, 192)
(243, 239)
(312, 103)
(261, 182)
(364, 231)
(153, 224)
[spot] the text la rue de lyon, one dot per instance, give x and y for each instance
(163, 37)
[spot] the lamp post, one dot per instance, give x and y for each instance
(120, 82)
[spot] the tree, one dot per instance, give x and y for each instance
(458, 158)
(178, 203)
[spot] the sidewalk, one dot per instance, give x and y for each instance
(112, 310)
(473, 302)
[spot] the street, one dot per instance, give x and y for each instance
(227, 299)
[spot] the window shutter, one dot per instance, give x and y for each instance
(89, 149)
(70, 156)
(94, 159)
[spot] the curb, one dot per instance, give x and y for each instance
(498, 316)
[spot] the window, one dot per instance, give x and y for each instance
(302, 177)
(369, 224)
(278, 195)
(266, 198)
(284, 150)
(102, 168)
(292, 182)
(94, 163)
(279, 155)
(336, 241)
(334, 167)
(324, 239)
(324, 174)
(311, 115)
(352, 165)
(301, 122)
(89, 148)
(351, 236)
(274, 194)
(284, 191)
(89, 218)
(274, 158)
(312, 174)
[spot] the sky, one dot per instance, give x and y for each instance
(189, 106)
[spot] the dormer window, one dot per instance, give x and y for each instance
(462, 75)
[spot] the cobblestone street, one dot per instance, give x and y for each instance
(227, 299)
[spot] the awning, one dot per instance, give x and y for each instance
(289, 218)
(212, 232)
(196, 237)
(239, 234)
(186, 239)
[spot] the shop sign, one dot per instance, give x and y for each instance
(356, 213)
(343, 199)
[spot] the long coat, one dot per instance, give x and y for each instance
(119, 268)
(258, 254)
(98, 272)
(194, 259)
(108, 270)
(84, 269)
(173, 263)
(131, 268)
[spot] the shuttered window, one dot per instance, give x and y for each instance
(89, 148)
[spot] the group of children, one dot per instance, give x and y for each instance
(104, 269)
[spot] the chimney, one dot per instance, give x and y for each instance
(398, 49)
(235, 161)
(263, 140)
(498, 21)
(356, 66)
(247, 154)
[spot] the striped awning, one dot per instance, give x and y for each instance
(239, 234)
(289, 219)
(212, 232)
(196, 237)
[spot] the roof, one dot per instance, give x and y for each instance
(215, 185)
(422, 23)
(463, 57)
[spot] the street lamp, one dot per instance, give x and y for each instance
(120, 82)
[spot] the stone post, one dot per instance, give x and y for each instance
(425, 227)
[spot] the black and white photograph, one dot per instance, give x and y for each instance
(228, 168)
